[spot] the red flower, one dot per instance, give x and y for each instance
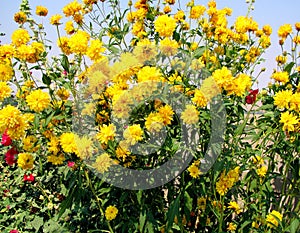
(6, 140)
(250, 99)
(10, 156)
(71, 164)
(29, 178)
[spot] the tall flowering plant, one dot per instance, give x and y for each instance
(147, 120)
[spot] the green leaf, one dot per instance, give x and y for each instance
(46, 79)
(49, 118)
(188, 201)
(288, 68)
(172, 212)
(295, 226)
(65, 63)
(199, 52)
(37, 222)
(142, 220)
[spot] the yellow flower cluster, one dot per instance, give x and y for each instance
(232, 85)
(80, 43)
(12, 120)
(226, 181)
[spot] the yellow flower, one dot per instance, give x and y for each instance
(235, 207)
(95, 50)
(289, 121)
(53, 145)
(199, 99)
(197, 11)
(168, 47)
(179, 16)
(257, 160)
(6, 51)
(239, 85)
(13, 121)
(190, 115)
(281, 76)
(194, 171)
(262, 171)
(273, 218)
(165, 25)
(133, 134)
(166, 112)
(25, 161)
(231, 227)
(167, 9)
(41, 11)
(63, 93)
(283, 98)
(28, 143)
(38, 100)
(201, 203)
(223, 77)
(122, 153)
(111, 212)
(267, 29)
(107, 133)
(5, 90)
(295, 102)
(56, 159)
(78, 43)
(154, 122)
(296, 39)
(69, 28)
(72, 8)
(63, 44)
(84, 146)
(284, 30)
(103, 163)
(148, 73)
(20, 17)
(20, 37)
(68, 143)
(171, 2)
(54, 20)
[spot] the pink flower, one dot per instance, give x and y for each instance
(71, 164)
(14, 231)
(6, 140)
(250, 99)
(29, 178)
(10, 156)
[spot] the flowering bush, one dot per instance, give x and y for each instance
(147, 121)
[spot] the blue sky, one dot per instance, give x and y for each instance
(273, 12)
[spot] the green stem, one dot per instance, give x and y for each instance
(221, 216)
(98, 200)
